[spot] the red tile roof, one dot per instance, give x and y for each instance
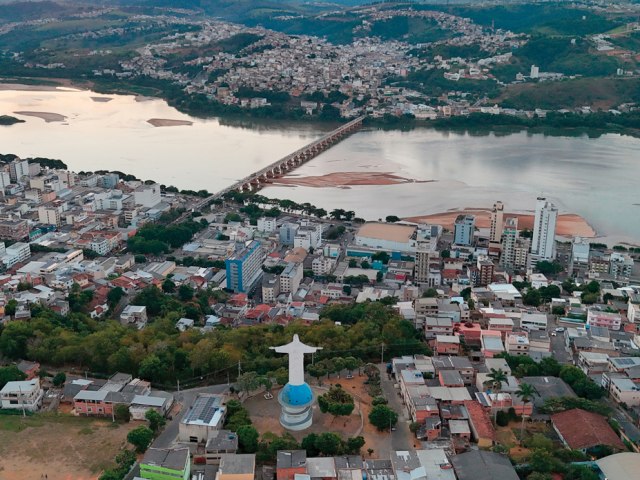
(581, 429)
(480, 419)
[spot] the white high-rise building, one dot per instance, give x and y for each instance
(509, 239)
(18, 169)
(535, 72)
(544, 230)
(497, 222)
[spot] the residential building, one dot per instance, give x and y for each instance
(624, 390)
(12, 229)
(447, 345)
(166, 464)
(237, 467)
(497, 223)
(134, 315)
(633, 308)
(147, 195)
(288, 233)
(204, 417)
(509, 239)
(485, 271)
(620, 265)
(270, 288)
(291, 277)
(426, 243)
(221, 442)
(533, 321)
(518, 343)
(245, 268)
(597, 318)
(481, 427)
(582, 430)
(18, 169)
(267, 224)
(21, 395)
(322, 265)
(483, 465)
(620, 466)
(50, 214)
(579, 261)
(464, 228)
(290, 463)
(544, 230)
(16, 253)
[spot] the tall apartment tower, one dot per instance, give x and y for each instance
(464, 228)
(509, 241)
(497, 222)
(544, 230)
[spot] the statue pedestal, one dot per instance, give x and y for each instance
(296, 402)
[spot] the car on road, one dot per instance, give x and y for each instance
(554, 334)
(560, 329)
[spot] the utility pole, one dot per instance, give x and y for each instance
(24, 414)
(239, 369)
(178, 385)
(382, 353)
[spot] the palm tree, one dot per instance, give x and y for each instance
(526, 392)
(494, 380)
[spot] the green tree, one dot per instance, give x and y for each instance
(309, 445)
(542, 461)
(156, 420)
(329, 443)
(10, 374)
(114, 296)
(525, 392)
(248, 439)
(59, 379)
(121, 413)
(248, 382)
(168, 286)
(392, 219)
(140, 437)
(185, 292)
(430, 293)
(382, 417)
(153, 369)
(353, 445)
(532, 297)
(337, 402)
(495, 378)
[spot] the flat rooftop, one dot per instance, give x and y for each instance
(166, 458)
(387, 231)
(206, 410)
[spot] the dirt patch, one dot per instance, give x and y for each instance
(347, 179)
(568, 224)
(63, 447)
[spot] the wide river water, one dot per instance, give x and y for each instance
(595, 178)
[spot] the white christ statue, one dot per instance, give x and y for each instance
(296, 350)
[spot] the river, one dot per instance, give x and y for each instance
(593, 177)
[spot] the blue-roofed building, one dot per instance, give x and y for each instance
(244, 269)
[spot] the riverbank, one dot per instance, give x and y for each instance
(553, 123)
(568, 224)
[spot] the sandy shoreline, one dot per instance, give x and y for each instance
(346, 179)
(166, 122)
(568, 225)
(46, 116)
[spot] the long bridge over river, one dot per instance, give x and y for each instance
(258, 179)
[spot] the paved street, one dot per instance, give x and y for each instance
(185, 398)
(401, 437)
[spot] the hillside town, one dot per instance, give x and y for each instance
(514, 325)
(252, 67)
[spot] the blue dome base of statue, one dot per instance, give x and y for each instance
(296, 402)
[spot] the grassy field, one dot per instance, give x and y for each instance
(63, 447)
